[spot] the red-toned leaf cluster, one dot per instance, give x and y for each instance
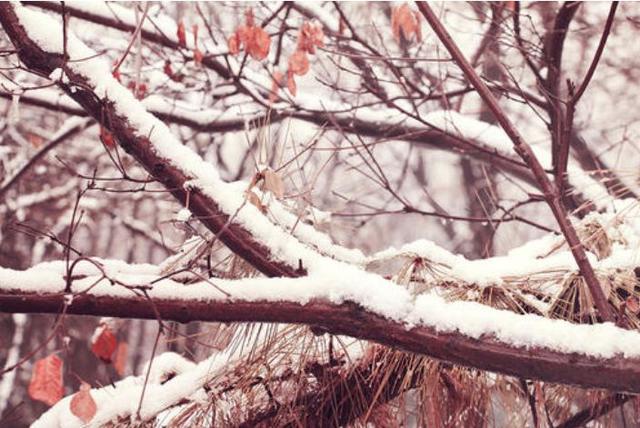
(310, 36)
(405, 22)
(103, 343)
(46, 380)
(254, 39)
(82, 404)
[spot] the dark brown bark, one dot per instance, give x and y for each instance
(487, 353)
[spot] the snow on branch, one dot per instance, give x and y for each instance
(446, 130)
(340, 297)
(370, 308)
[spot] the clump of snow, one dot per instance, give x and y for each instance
(183, 215)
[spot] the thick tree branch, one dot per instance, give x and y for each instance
(619, 374)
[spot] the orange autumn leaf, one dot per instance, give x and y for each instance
(182, 35)
(254, 39)
(234, 44)
(299, 63)
(103, 343)
(82, 404)
(120, 360)
(197, 53)
(197, 56)
(404, 22)
(291, 84)
(35, 140)
(310, 36)
(248, 17)
(258, 44)
(46, 380)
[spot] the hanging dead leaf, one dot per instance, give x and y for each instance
(120, 360)
(82, 404)
(182, 35)
(291, 83)
(46, 380)
(35, 140)
(197, 53)
(258, 44)
(273, 183)
(404, 22)
(418, 27)
(103, 343)
(248, 17)
(255, 200)
(233, 42)
(197, 56)
(310, 37)
(299, 63)
(254, 39)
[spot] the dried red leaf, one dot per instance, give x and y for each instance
(197, 56)
(254, 39)
(82, 404)
(103, 343)
(141, 90)
(194, 28)
(234, 44)
(255, 200)
(291, 83)
(248, 17)
(273, 183)
(107, 138)
(46, 380)
(120, 360)
(310, 36)
(404, 22)
(167, 69)
(299, 63)
(35, 140)
(116, 75)
(418, 27)
(633, 305)
(182, 35)
(258, 44)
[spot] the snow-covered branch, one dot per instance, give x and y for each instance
(464, 333)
